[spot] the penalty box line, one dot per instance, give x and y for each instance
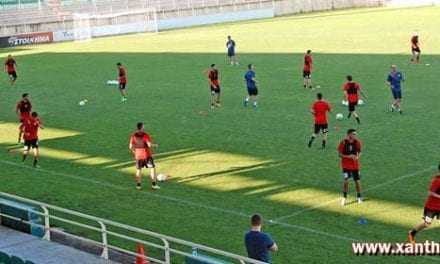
(180, 201)
(409, 175)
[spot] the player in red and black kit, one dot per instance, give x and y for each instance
(23, 110)
(320, 109)
(122, 77)
(30, 128)
(307, 70)
(10, 69)
(415, 49)
(352, 91)
(214, 83)
(432, 207)
(140, 145)
(350, 151)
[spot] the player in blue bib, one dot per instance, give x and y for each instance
(394, 80)
(251, 84)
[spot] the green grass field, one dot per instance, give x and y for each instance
(236, 161)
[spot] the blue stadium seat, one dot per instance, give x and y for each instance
(206, 260)
(4, 258)
(16, 260)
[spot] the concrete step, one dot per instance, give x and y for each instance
(40, 251)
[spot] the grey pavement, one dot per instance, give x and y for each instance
(41, 251)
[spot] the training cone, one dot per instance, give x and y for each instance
(141, 257)
(363, 221)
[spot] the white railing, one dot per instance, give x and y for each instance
(169, 247)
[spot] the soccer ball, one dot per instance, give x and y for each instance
(82, 103)
(162, 177)
(344, 102)
(112, 82)
(361, 102)
(339, 116)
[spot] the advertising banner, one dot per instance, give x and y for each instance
(26, 39)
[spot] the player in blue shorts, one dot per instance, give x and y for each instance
(394, 80)
(251, 83)
(230, 45)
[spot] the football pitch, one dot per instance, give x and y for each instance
(231, 162)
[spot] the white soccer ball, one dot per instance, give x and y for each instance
(344, 102)
(361, 102)
(162, 177)
(339, 116)
(112, 82)
(82, 103)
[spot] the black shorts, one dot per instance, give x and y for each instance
(253, 91)
(397, 94)
(347, 174)
(28, 144)
(13, 74)
(307, 74)
(429, 215)
(415, 50)
(231, 53)
(145, 163)
(352, 106)
(122, 86)
(321, 127)
(215, 90)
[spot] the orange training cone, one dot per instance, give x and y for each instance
(141, 258)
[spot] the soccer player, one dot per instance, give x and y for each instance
(230, 45)
(432, 208)
(350, 151)
(251, 83)
(352, 90)
(30, 128)
(307, 70)
(10, 69)
(394, 81)
(140, 145)
(320, 109)
(415, 49)
(213, 76)
(23, 110)
(122, 72)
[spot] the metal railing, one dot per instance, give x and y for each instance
(170, 247)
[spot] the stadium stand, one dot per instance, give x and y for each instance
(63, 227)
(20, 248)
(52, 15)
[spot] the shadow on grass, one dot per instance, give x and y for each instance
(233, 158)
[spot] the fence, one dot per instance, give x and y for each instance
(29, 16)
(58, 16)
(168, 249)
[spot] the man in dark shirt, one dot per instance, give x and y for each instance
(230, 45)
(258, 244)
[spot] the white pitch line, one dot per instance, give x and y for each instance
(177, 200)
(113, 186)
(311, 230)
(366, 190)
(232, 212)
